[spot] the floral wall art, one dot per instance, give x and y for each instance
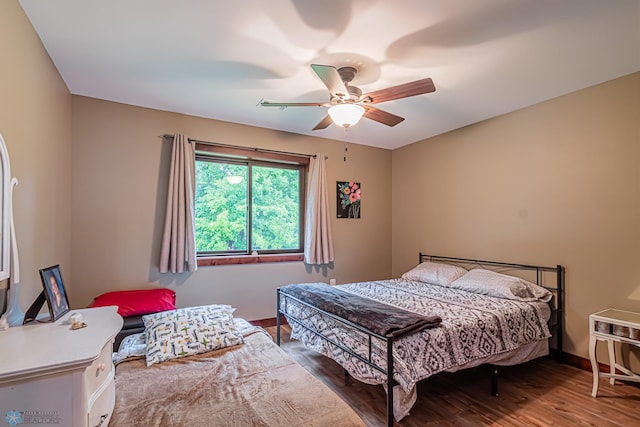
(348, 199)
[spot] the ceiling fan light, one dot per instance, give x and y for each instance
(346, 115)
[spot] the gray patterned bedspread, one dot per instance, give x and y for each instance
(474, 327)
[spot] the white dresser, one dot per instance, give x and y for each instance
(50, 374)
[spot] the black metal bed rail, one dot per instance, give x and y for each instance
(367, 360)
(388, 340)
(556, 323)
(539, 269)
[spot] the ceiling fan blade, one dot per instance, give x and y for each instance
(324, 123)
(331, 79)
(405, 90)
(292, 104)
(382, 116)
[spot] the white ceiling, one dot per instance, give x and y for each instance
(218, 59)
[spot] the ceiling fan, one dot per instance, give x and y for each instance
(347, 104)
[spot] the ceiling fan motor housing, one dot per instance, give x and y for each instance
(347, 74)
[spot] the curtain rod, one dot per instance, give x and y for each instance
(259, 150)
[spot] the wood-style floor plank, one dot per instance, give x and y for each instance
(538, 393)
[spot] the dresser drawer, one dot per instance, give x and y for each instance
(101, 408)
(100, 370)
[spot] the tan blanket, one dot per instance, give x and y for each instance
(254, 384)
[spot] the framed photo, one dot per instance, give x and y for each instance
(54, 291)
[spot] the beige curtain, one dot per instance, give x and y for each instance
(178, 241)
(318, 243)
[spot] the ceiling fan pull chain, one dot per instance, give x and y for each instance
(345, 152)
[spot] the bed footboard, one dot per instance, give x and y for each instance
(368, 360)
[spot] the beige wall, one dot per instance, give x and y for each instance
(558, 182)
(555, 183)
(120, 169)
(35, 121)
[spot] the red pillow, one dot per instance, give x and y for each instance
(137, 302)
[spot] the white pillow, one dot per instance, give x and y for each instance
(187, 331)
(434, 273)
(487, 282)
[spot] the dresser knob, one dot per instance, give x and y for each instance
(100, 368)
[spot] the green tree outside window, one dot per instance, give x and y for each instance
(242, 205)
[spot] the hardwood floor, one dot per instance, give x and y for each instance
(539, 393)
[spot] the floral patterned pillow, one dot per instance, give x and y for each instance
(187, 331)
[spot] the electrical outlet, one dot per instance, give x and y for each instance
(332, 282)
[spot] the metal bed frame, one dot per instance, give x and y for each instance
(556, 321)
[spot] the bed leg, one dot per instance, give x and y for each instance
(278, 317)
(494, 380)
(390, 381)
(559, 356)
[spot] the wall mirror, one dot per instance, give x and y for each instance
(9, 264)
(5, 211)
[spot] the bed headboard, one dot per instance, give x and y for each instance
(551, 278)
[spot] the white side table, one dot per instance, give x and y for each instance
(612, 326)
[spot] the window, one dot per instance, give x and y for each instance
(248, 205)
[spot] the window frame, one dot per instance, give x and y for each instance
(254, 157)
